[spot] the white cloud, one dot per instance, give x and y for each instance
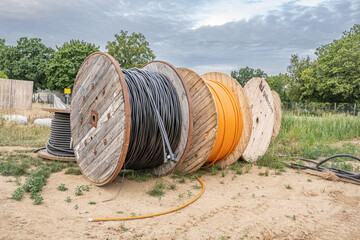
(310, 3)
(224, 11)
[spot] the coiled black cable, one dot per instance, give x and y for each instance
(59, 143)
(338, 172)
(155, 119)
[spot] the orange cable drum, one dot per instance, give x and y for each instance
(230, 122)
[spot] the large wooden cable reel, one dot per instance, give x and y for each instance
(263, 115)
(245, 110)
(204, 122)
(101, 116)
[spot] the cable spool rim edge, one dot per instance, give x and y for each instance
(54, 110)
(197, 166)
(248, 153)
(231, 158)
(126, 100)
(278, 114)
(189, 103)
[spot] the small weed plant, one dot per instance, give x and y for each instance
(157, 190)
(62, 187)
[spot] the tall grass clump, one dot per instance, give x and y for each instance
(13, 134)
(313, 137)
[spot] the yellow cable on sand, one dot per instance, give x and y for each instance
(152, 215)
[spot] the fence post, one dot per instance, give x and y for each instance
(355, 109)
(335, 107)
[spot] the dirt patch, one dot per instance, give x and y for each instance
(355, 141)
(13, 148)
(246, 206)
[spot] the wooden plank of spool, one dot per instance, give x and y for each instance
(45, 154)
(245, 110)
(278, 114)
(100, 118)
(56, 110)
(187, 122)
(204, 122)
(263, 115)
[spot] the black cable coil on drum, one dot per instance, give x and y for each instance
(155, 119)
(59, 143)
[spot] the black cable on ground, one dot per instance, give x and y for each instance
(155, 119)
(338, 172)
(59, 143)
(36, 150)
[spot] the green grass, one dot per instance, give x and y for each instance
(62, 187)
(73, 171)
(137, 175)
(36, 170)
(157, 190)
(312, 137)
(13, 134)
(79, 190)
(213, 169)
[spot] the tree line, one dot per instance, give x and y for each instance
(56, 69)
(333, 77)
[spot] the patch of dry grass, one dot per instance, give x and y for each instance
(30, 135)
(31, 115)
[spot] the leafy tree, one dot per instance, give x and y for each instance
(3, 75)
(26, 60)
(295, 69)
(336, 74)
(245, 74)
(2, 45)
(130, 50)
(62, 68)
(2, 48)
(279, 84)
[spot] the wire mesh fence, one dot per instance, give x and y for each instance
(317, 109)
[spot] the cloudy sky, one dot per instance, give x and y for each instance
(204, 35)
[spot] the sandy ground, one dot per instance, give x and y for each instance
(247, 206)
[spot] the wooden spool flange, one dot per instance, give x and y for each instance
(187, 120)
(100, 118)
(263, 115)
(205, 123)
(246, 114)
(45, 154)
(56, 110)
(278, 114)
